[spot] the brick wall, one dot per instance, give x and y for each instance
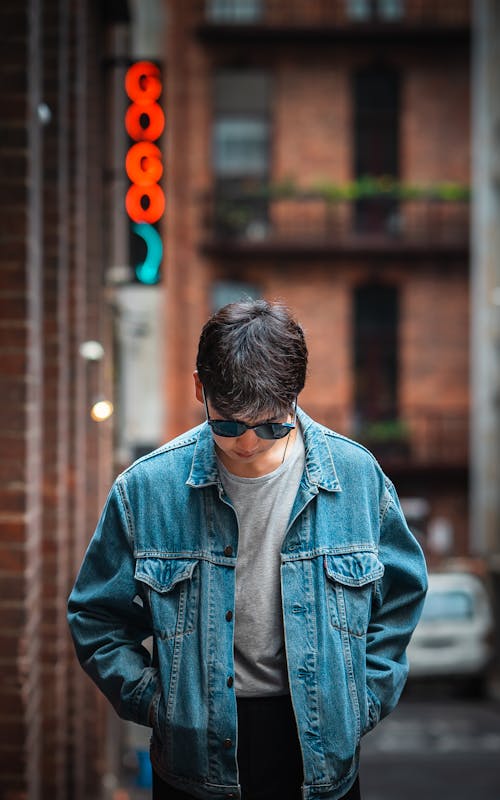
(435, 127)
(54, 462)
(311, 119)
(20, 426)
(313, 113)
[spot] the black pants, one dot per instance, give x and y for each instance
(269, 757)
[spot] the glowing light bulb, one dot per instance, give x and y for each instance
(101, 410)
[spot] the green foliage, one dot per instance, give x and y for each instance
(234, 213)
(365, 187)
(385, 431)
(386, 186)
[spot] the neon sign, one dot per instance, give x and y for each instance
(145, 200)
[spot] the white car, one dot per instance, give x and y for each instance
(454, 639)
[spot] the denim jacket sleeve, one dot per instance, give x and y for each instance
(396, 610)
(109, 619)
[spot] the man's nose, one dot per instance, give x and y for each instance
(249, 437)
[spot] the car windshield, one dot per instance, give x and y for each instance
(447, 605)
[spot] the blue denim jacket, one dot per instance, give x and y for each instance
(162, 564)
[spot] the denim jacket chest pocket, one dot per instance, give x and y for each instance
(350, 586)
(173, 590)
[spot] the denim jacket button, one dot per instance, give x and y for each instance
(228, 551)
(230, 681)
(228, 744)
(229, 615)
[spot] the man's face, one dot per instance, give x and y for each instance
(248, 447)
(247, 454)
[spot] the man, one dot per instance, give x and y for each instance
(269, 560)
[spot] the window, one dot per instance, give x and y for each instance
(242, 123)
(448, 605)
(376, 354)
(240, 150)
(224, 292)
(241, 147)
(239, 11)
(376, 120)
(365, 10)
(376, 144)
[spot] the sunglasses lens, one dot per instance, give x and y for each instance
(227, 427)
(272, 430)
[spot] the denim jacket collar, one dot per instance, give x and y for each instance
(320, 470)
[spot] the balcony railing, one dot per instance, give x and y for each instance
(309, 220)
(422, 438)
(340, 14)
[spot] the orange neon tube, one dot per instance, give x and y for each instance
(142, 82)
(143, 164)
(151, 196)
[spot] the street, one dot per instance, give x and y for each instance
(434, 746)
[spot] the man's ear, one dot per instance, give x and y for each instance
(198, 386)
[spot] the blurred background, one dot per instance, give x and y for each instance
(159, 159)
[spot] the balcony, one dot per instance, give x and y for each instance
(337, 222)
(219, 20)
(423, 440)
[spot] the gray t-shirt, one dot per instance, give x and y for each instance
(263, 507)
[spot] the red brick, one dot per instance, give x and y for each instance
(14, 336)
(12, 732)
(12, 445)
(12, 528)
(13, 616)
(12, 588)
(12, 390)
(11, 705)
(12, 501)
(12, 559)
(13, 308)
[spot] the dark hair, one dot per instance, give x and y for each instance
(252, 359)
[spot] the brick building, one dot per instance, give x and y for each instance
(280, 111)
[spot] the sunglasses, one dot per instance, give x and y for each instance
(230, 428)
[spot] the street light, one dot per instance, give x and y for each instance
(101, 410)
